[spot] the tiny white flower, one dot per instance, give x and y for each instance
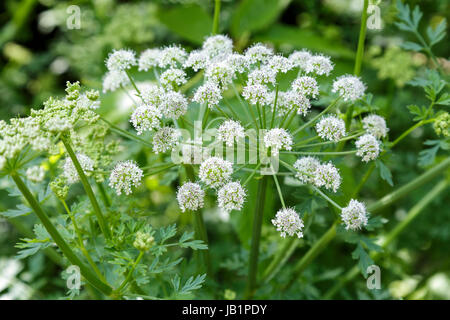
(327, 175)
(354, 215)
(258, 53)
(278, 139)
(190, 196)
(256, 94)
(331, 128)
(231, 196)
(196, 60)
(238, 62)
(230, 131)
(125, 175)
(152, 94)
(288, 222)
(306, 86)
(307, 167)
(113, 80)
(349, 87)
(300, 58)
(215, 171)
(376, 125)
(149, 59)
(71, 173)
(35, 174)
(173, 105)
(319, 65)
(264, 75)
(173, 78)
(165, 139)
(208, 93)
(121, 60)
(368, 147)
(221, 73)
(279, 63)
(299, 102)
(218, 46)
(145, 118)
(171, 56)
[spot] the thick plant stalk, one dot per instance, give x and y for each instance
(59, 240)
(256, 236)
(380, 204)
(280, 259)
(87, 187)
(413, 213)
(215, 28)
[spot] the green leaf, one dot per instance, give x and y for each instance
(444, 99)
(198, 27)
(385, 173)
(363, 258)
(375, 223)
(187, 242)
(255, 15)
(437, 34)
(21, 210)
(408, 45)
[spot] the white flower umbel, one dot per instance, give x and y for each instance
(121, 60)
(256, 94)
(349, 87)
(215, 171)
(238, 62)
(190, 196)
(71, 173)
(300, 58)
(196, 60)
(327, 175)
(279, 63)
(165, 139)
(173, 105)
(264, 75)
(288, 222)
(299, 102)
(152, 94)
(368, 147)
(320, 65)
(113, 80)
(278, 139)
(354, 215)
(231, 196)
(217, 46)
(125, 175)
(376, 125)
(306, 86)
(230, 131)
(221, 73)
(208, 93)
(35, 174)
(173, 78)
(149, 59)
(258, 53)
(331, 128)
(145, 118)
(171, 56)
(306, 169)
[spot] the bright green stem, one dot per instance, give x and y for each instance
(280, 259)
(412, 214)
(215, 28)
(408, 131)
(205, 117)
(274, 108)
(87, 187)
(59, 240)
(256, 237)
(132, 82)
(310, 122)
(104, 195)
(130, 273)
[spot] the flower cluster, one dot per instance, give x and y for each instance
(311, 171)
(288, 222)
(190, 196)
(354, 215)
(125, 175)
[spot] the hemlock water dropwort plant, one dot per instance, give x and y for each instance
(226, 130)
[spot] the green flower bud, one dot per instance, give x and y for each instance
(72, 90)
(229, 294)
(144, 241)
(92, 95)
(59, 187)
(442, 124)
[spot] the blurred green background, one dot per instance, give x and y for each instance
(39, 53)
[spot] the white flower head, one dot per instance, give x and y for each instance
(190, 196)
(279, 63)
(149, 59)
(288, 222)
(196, 60)
(165, 139)
(171, 56)
(368, 147)
(173, 105)
(145, 118)
(238, 62)
(306, 86)
(299, 102)
(331, 128)
(152, 94)
(354, 215)
(375, 125)
(208, 93)
(35, 174)
(221, 73)
(256, 94)
(229, 132)
(121, 60)
(71, 173)
(58, 124)
(231, 196)
(125, 175)
(349, 87)
(327, 175)
(218, 46)
(173, 78)
(258, 53)
(263, 75)
(215, 171)
(319, 65)
(306, 169)
(113, 80)
(278, 139)
(300, 58)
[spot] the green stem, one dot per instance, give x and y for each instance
(59, 240)
(215, 28)
(408, 131)
(280, 259)
(132, 82)
(316, 117)
(412, 214)
(104, 195)
(323, 195)
(130, 273)
(362, 38)
(274, 108)
(87, 187)
(332, 153)
(256, 237)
